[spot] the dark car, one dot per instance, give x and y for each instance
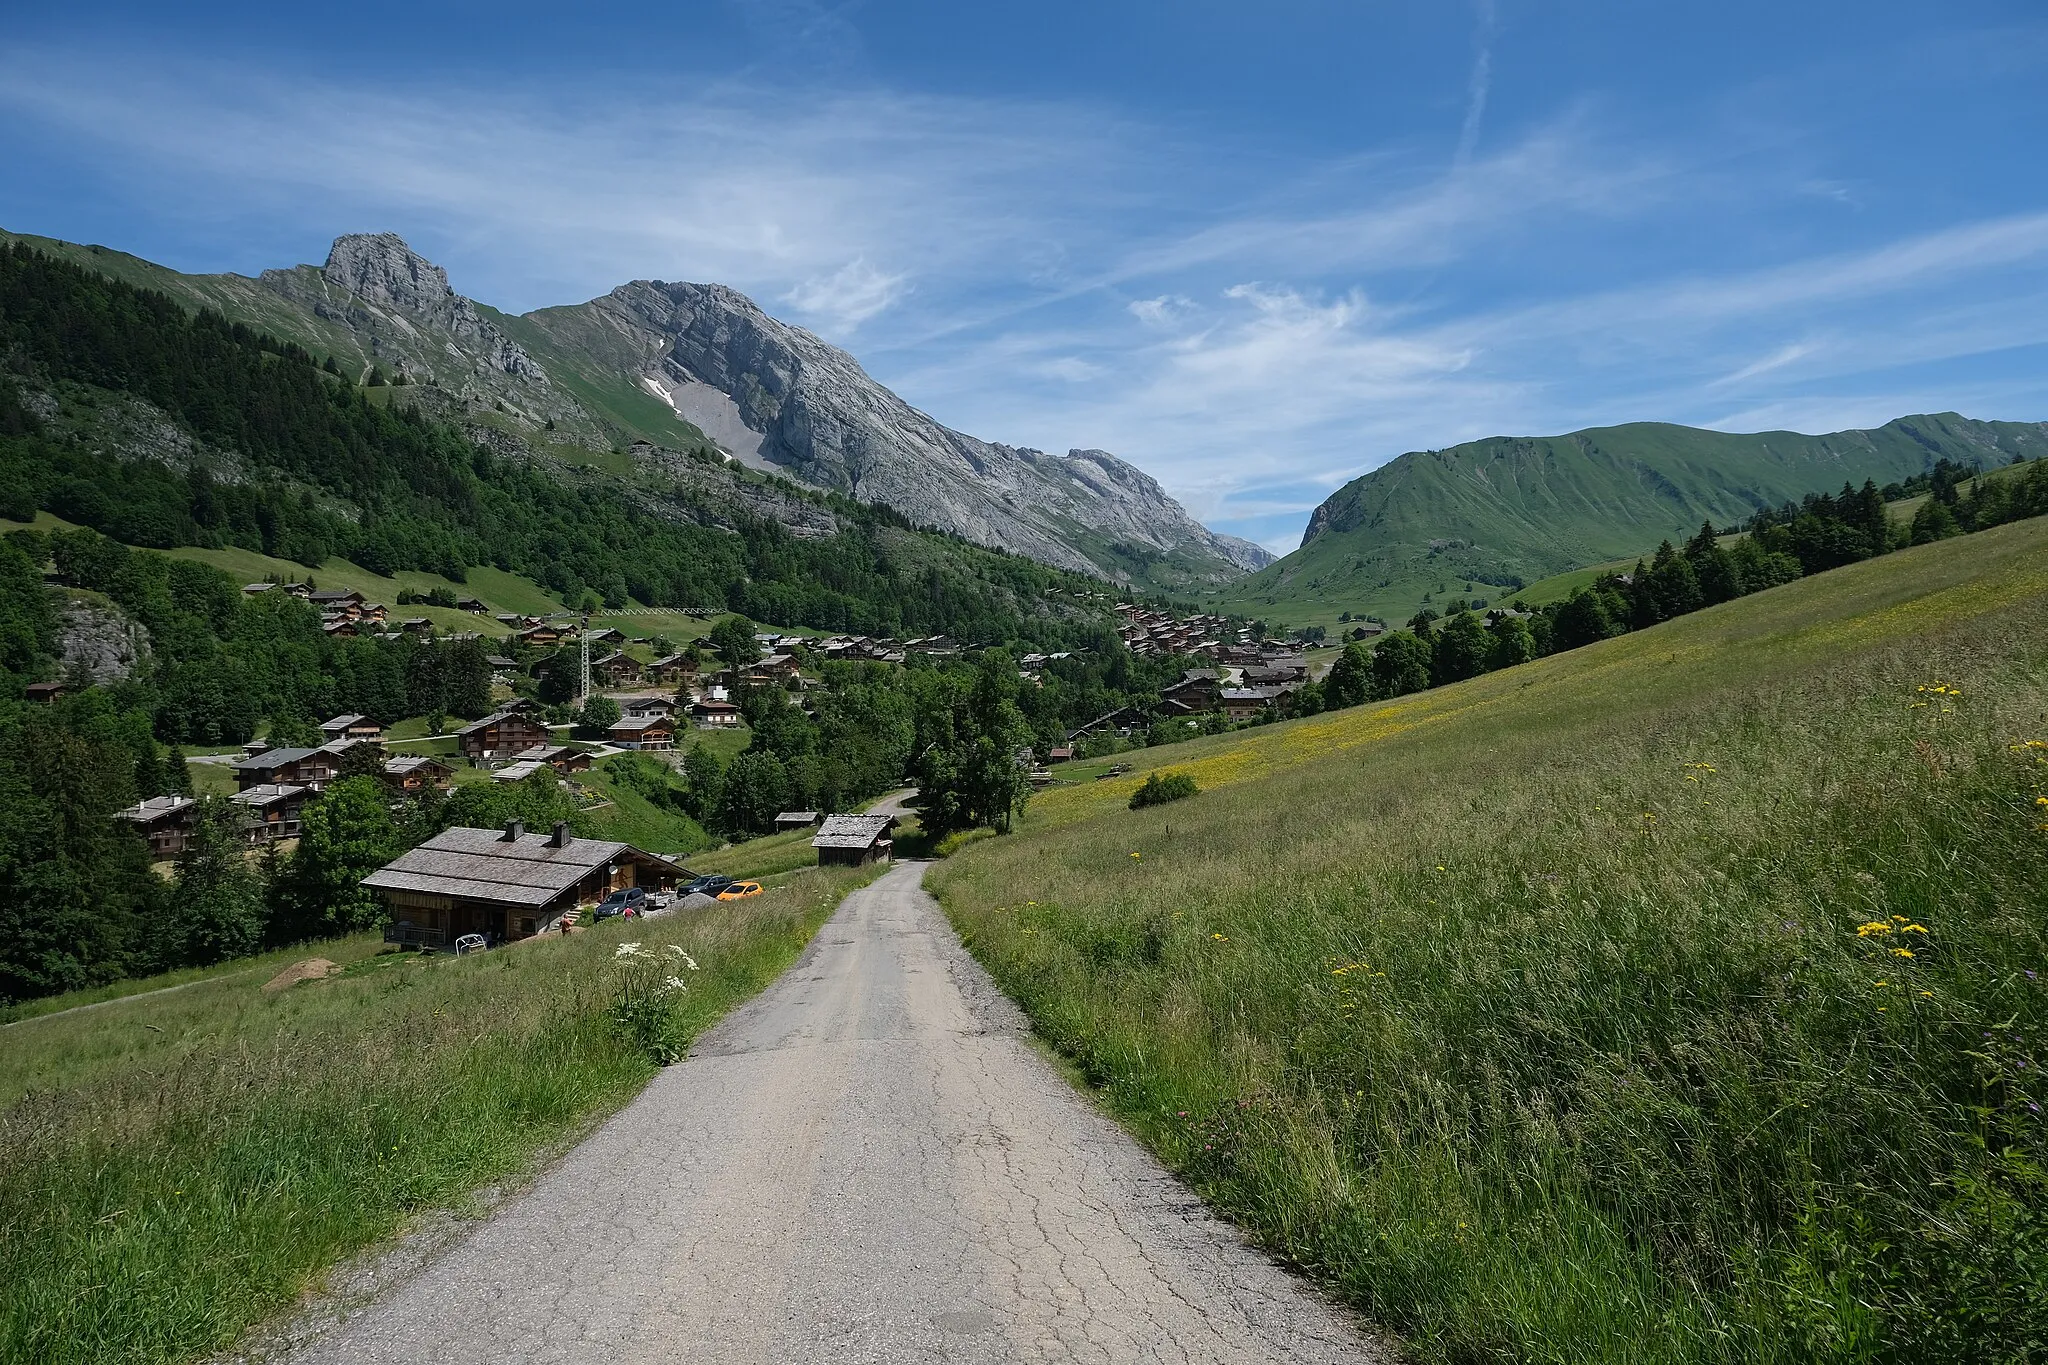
(705, 886)
(631, 902)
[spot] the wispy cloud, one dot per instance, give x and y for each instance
(1479, 84)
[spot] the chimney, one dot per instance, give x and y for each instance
(513, 829)
(561, 839)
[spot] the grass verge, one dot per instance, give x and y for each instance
(199, 1174)
(1678, 999)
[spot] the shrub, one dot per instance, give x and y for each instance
(1161, 788)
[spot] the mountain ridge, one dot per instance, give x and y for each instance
(604, 375)
(1504, 510)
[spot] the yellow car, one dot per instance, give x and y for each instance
(739, 891)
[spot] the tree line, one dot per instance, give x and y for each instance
(1818, 533)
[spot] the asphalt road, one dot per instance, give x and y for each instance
(867, 1163)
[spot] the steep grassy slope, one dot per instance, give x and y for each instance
(1584, 1011)
(1511, 510)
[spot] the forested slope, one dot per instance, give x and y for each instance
(268, 450)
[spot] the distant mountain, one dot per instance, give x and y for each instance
(690, 367)
(1512, 509)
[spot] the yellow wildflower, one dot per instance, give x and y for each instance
(1902, 952)
(1875, 927)
(1913, 929)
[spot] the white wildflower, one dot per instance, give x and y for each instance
(629, 950)
(673, 983)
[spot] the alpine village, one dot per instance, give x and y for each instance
(603, 833)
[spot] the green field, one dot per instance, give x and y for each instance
(185, 1164)
(1583, 1011)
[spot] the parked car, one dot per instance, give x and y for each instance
(739, 891)
(632, 902)
(705, 886)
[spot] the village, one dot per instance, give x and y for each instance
(654, 699)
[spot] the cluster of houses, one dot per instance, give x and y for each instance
(346, 612)
(1259, 680)
(1147, 631)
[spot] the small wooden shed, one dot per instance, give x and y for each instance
(854, 840)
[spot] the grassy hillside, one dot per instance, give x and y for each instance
(1491, 513)
(188, 1163)
(1670, 999)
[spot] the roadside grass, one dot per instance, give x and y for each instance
(166, 1190)
(635, 820)
(13, 1058)
(1540, 1015)
(762, 857)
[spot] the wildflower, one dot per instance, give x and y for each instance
(1880, 983)
(1439, 867)
(629, 950)
(1927, 995)
(1913, 929)
(1219, 938)
(673, 983)
(679, 955)
(1875, 928)
(1134, 855)
(1902, 952)
(2030, 973)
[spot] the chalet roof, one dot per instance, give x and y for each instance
(520, 771)
(271, 759)
(500, 661)
(477, 727)
(335, 595)
(546, 753)
(155, 808)
(640, 723)
(713, 704)
(805, 817)
(266, 794)
(342, 722)
(485, 865)
(412, 763)
(852, 831)
(257, 587)
(1250, 693)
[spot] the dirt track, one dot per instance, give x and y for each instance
(868, 1163)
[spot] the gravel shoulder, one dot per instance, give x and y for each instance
(868, 1162)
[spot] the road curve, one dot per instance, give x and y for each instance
(867, 1163)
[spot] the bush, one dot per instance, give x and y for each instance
(1161, 788)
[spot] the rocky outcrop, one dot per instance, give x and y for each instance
(99, 640)
(822, 418)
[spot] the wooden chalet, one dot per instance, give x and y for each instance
(644, 732)
(165, 822)
(1199, 689)
(710, 714)
(417, 772)
(506, 883)
(273, 809)
(795, 819)
(352, 727)
(312, 768)
(1248, 703)
(617, 669)
(500, 736)
(560, 757)
(544, 636)
(675, 668)
(854, 840)
(43, 693)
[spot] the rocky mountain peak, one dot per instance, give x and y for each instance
(381, 268)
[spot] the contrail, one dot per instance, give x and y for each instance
(1476, 87)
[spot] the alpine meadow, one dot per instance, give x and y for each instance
(1672, 999)
(829, 684)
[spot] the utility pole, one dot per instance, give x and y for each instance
(583, 676)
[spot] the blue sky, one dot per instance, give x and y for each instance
(1255, 249)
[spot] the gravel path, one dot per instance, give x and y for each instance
(867, 1163)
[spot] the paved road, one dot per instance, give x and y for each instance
(868, 1163)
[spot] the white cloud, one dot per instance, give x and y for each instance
(1162, 311)
(848, 296)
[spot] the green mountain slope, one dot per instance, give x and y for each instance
(1504, 511)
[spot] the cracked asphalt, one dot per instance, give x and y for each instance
(868, 1162)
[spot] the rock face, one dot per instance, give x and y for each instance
(817, 414)
(99, 640)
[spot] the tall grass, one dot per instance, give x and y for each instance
(1548, 1023)
(166, 1189)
